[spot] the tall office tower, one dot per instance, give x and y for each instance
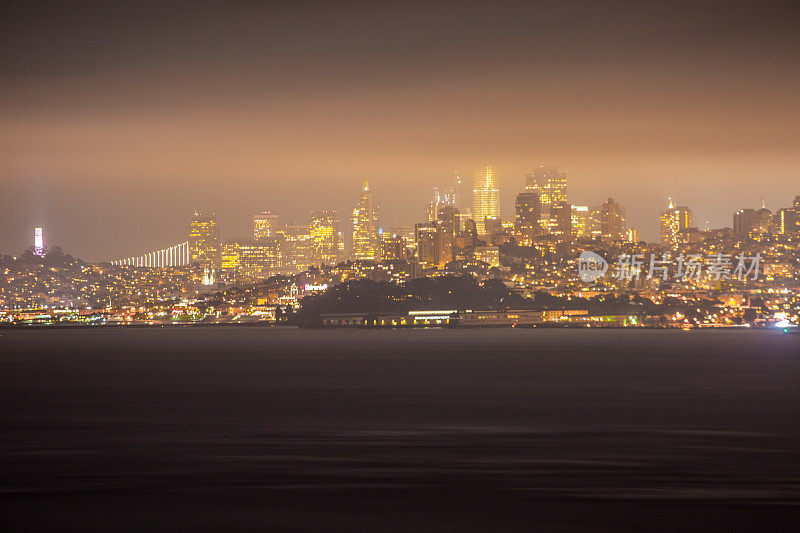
(297, 248)
(673, 221)
(38, 242)
(633, 236)
(324, 230)
(230, 258)
(746, 221)
(427, 245)
(257, 260)
(561, 219)
(612, 220)
(448, 218)
(462, 216)
(469, 237)
(366, 241)
(593, 222)
(526, 222)
(551, 185)
(204, 245)
(434, 247)
(485, 198)
(393, 248)
(446, 242)
(264, 225)
(448, 214)
(789, 218)
(248, 260)
(580, 220)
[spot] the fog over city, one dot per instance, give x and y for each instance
(120, 121)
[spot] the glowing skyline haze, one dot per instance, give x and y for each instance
(119, 121)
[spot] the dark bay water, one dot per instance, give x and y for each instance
(259, 428)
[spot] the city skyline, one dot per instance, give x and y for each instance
(268, 222)
(119, 121)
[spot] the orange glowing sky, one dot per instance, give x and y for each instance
(117, 124)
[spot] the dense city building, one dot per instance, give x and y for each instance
(551, 186)
(366, 241)
(747, 221)
(527, 217)
(580, 220)
(485, 198)
(264, 225)
(302, 259)
(673, 221)
(298, 251)
(492, 226)
(393, 247)
(434, 243)
(612, 220)
(204, 240)
(561, 219)
(326, 237)
(789, 218)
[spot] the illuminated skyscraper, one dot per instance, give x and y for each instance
(580, 220)
(485, 198)
(230, 258)
(366, 242)
(204, 245)
(324, 231)
(612, 220)
(551, 186)
(248, 260)
(561, 219)
(673, 221)
(469, 236)
(257, 260)
(594, 222)
(264, 225)
(297, 247)
(528, 213)
(747, 221)
(434, 244)
(448, 214)
(789, 218)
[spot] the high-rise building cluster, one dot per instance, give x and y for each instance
(453, 237)
(448, 233)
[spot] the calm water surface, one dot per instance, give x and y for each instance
(256, 428)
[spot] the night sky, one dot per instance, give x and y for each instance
(116, 122)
